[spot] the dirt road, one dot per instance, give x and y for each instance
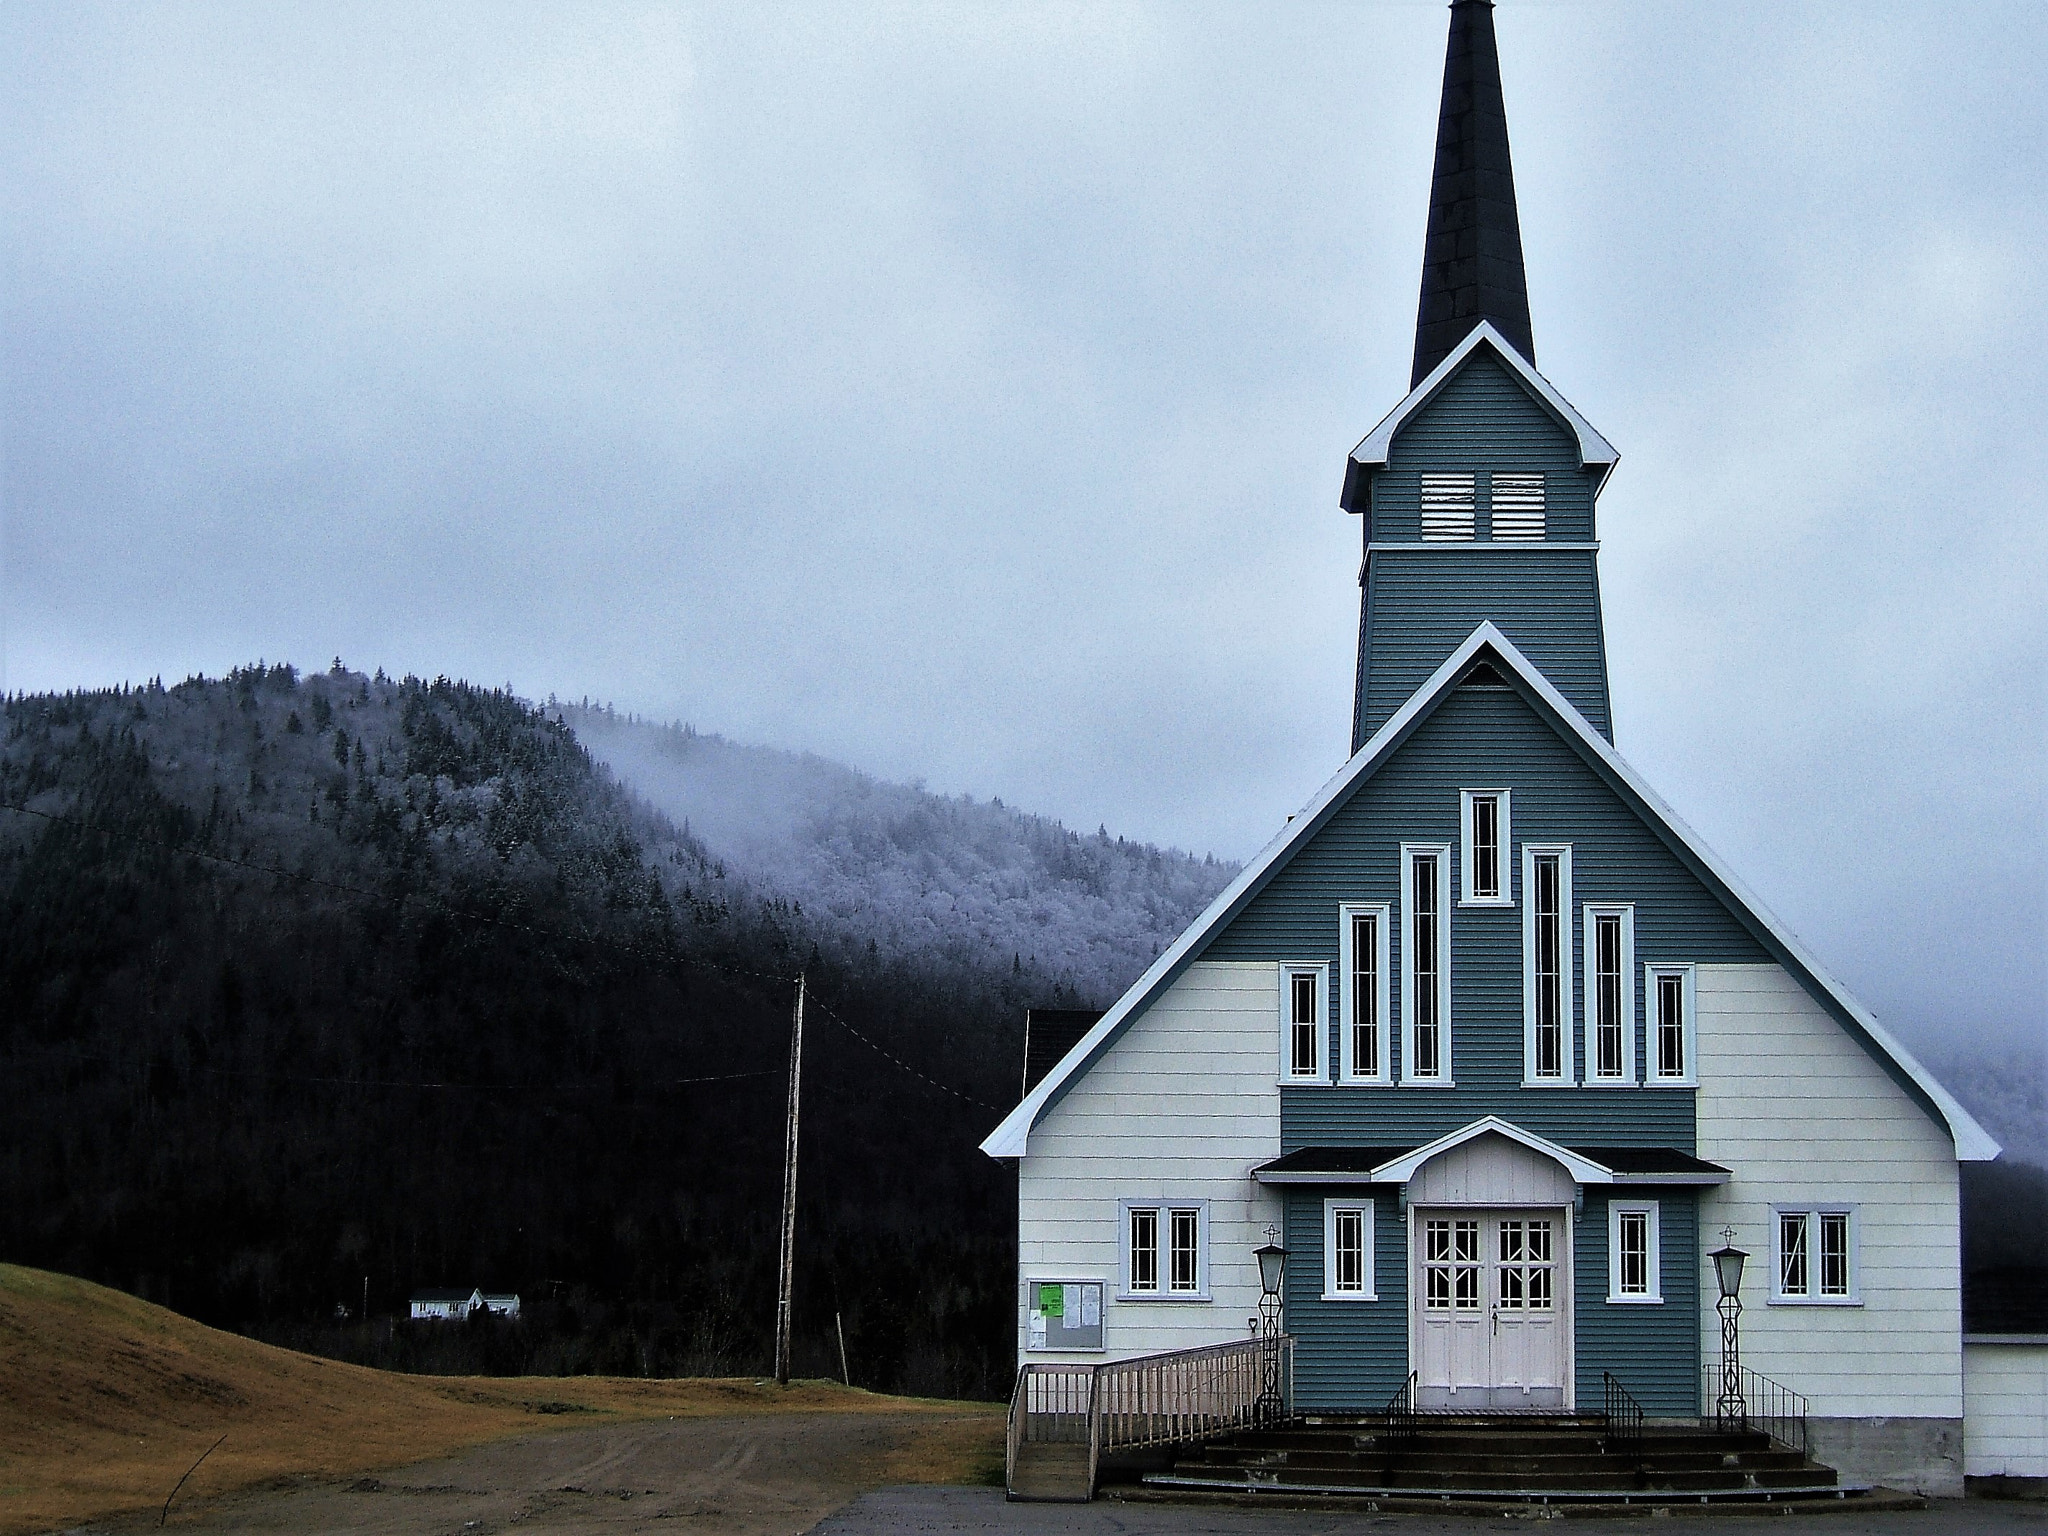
(753, 1476)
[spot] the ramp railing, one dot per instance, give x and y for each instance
(1767, 1405)
(1182, 1396)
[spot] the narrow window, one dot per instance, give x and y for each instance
(1424, 987)
(1607, 994)
(1144, 1248)
(1485, 817)
(1834, 1253)
(1517, 506)
(1634, 1277)
(1367, 936)
(1465, 1266)
(1549, 907)
(1347, 1238)
(1447, 502)
(1187, 1250)
(1437, 1265)
(1671, 1052)
(1301, 1040)
(1610, 1000)
(1792, 1253)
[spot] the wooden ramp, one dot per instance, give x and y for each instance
(1065, 1418)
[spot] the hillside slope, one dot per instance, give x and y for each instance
(940, 879)
(105, 1400)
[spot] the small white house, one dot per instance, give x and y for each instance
(455, 1306)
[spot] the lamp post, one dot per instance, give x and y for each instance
(1730, 1411)
(1272, 1269)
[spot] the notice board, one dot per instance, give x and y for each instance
(1063, 1314)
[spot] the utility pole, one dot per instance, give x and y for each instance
(788, 1265)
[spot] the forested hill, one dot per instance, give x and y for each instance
(944, 880)
(313, 982)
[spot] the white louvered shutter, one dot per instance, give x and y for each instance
(1447, 502)
(1517, 506)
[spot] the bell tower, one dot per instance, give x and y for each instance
(1478, 489)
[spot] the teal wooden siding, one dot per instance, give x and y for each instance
(1349, 1354)
(1421, 604)
(1483, 420)
(1653, 1350)
(1485, 737)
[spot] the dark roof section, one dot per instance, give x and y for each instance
(1352, 1165)
(1049, 1033)
(1472, 256)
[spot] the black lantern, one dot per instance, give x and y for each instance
(1272, 1265)
(1728, 1269)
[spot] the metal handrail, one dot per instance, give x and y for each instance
(1622, 1431)
(1399, 1426)
(1768, 1405)
(1177, 1396)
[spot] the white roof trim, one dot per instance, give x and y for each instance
(1593, 448)
(1972, 1142)
(1582, 1169)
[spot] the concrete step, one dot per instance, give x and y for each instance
(1474, 1480)
(1163, 1489)
(1561, 1465)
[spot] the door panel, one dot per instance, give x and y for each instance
(1489, 1293)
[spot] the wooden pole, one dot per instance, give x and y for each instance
(839, 1325)
(788, 1264)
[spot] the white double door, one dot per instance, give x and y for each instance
(1491, 1297)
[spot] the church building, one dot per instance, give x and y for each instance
(1489, 1040)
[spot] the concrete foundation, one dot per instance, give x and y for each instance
(1919, 1455)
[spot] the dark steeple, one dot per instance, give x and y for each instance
(1472, 260)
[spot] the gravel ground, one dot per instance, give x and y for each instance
(975, 1511)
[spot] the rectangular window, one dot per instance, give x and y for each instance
(1670, 991)
(1450, 1265)
(1527, 1278)
(1447, 502)
(1633, 1243)
(1610, 994)
(1144, 1270)
(1834, 1253)
(1303, 1024)
(1425, 968)
(1187, 1249)
(1484, 866)
(1363, 963)
(1347, 1250)
(1814, 1256)
(1165, 1246)
(1546, 965)
(1517, 506)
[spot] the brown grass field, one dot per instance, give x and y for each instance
(105, 1400)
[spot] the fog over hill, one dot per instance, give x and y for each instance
(919, 875)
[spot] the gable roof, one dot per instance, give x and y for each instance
(1594, 450)
(1972, 1142)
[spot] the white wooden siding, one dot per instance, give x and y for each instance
(1491, 1170)
(2005, 1418)
(1800, 1112)
(1183, 1107)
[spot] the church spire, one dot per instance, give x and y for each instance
(1472, 259)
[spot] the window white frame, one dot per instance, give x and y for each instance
(1566, 992)
(1334, 1212)
(1620, 1214)
(1380, 989)
(1810, 1216)
(1438, 994)
(1163, 1212)
(1654, 978)
(1503, 845)
(1293, 1071)
(1590, 977)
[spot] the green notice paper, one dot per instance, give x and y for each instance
(1051, 1300)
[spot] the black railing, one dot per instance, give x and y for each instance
(1398, 1426)
(1623, 1432)
(1767, 1405)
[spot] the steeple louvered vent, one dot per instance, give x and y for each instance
(1447, 502)
(1518, 506)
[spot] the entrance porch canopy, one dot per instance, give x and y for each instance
(1631, 1166)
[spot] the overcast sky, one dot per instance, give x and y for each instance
(964, 392)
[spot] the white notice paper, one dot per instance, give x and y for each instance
(1070, 1304)
(1091, 1306)
(1037, 1332)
